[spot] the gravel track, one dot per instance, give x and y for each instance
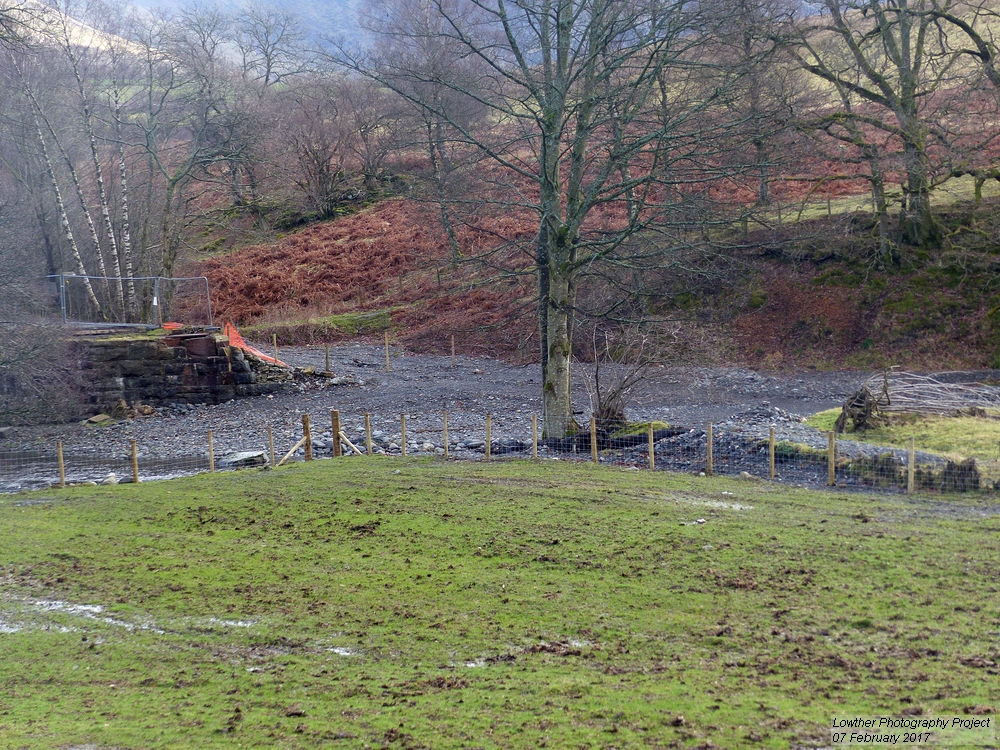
(422, 386)
(741, 404)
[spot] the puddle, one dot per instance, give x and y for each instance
(85, 610)
(231, 623)
(341, 651)
(720, 504)
(724, 505)
(36, 470)
(7, 627)
(91, 612)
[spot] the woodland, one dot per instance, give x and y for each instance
(573, 174)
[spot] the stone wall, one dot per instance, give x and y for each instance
(198, 368)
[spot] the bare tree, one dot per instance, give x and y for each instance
(319, 135)
(622, 356)
(897, 71)
(596, 108)
(16, 19)
(36, 372)
(271, 45)
(30, 79)
(378, 123)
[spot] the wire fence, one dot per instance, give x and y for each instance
(827, 461)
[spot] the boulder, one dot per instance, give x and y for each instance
(242, 460)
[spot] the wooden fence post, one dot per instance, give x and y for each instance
(335, 426)
(489, 434)
(327, 358)
(453, 350)
(291, 453)
(211, 453)
(652, 447)
(62, 464)
(911, 467)
(368, 432)
(534, 436)
(832, 460)
(350, 445)
(445, 431)
(135, 463)
(387, 367)
(709, 468)
(274, 343)
(270, 443)
(770, 455)
(593, 440)
(307, 436)
(402, 433)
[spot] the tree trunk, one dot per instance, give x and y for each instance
(126, 254)
(556, 391)
(437, 158)
(542, 264)
(885, 255)
(763, 174)
(67, 227)
(88, 122)
(916, 220)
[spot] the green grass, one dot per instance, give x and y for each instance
(412, 603)
(954, 191)
(325, 328)
(351, 324)
(959, 437)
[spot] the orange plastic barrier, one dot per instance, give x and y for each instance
(235, 339)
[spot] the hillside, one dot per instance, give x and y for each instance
(391, 259)
(805, 295)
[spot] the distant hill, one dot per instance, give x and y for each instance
(320, 18)
(328, 17)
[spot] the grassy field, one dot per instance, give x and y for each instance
(958, 437)
(409, 604)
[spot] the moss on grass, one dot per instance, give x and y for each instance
(330, 327)
(639, 428)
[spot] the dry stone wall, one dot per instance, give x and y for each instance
(187, 368)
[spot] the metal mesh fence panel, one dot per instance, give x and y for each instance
(148, 301)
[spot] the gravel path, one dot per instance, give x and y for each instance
(422, 386)
(741, 404)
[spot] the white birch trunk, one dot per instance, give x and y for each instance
(64, 220)
(98, 175)
(126, 254)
